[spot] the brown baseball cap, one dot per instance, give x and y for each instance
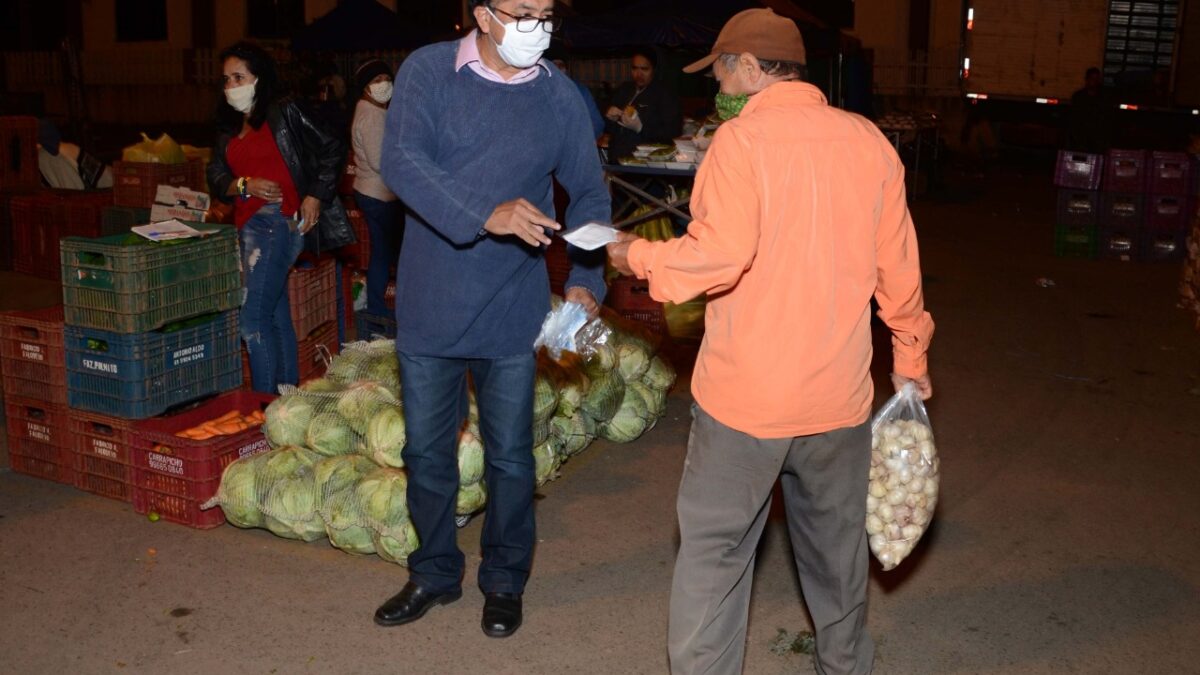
(761, 32)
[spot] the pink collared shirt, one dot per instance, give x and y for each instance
(468, 55)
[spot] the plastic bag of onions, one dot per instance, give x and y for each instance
(903, 488)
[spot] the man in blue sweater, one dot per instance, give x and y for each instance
(476, 131)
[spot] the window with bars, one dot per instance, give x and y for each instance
(1141, 39)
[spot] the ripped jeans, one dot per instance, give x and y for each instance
(270, 245)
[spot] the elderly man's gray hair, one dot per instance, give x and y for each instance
(788, 70)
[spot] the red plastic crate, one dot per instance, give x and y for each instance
(21, 379)
(176, 509)
(312, 295)
(1167, 212)
(41, 460)
(314, 349)
(36, 421)
(100, 436)
(40, 219)
(18, 154)
(135, 183)
(1170, 173)
(100, 485)
(1126, 171)
(158, 452)
(630, 297)
(1078, 170)
(35, 235)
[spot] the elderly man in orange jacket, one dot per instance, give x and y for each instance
(799, 219)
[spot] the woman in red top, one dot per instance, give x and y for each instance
(280, 168)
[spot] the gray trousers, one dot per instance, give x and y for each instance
(724, 498)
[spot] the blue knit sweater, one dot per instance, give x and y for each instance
(455, 147)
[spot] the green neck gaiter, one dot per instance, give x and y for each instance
(730, 106)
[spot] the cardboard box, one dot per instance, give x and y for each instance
(161, 212)
(172, 195)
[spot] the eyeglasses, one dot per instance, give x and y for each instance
(528, 24)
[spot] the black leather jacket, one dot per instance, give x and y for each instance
(315, 158)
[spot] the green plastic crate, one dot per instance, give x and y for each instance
(1076, 241)
(121, 285)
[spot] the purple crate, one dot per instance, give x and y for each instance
(1078, 208)
(1167, 213)
(1126, 171)
(1119, 243)
(1122, 210)
(1170, 173)
(1078, 170)
(1162, 246)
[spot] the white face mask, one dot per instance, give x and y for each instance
(241, 98)
(380, 91)
(521, 50)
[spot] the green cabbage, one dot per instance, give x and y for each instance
(660, 375)
(291, 508)
(570, 396)
(349, 538)
(631, 419)
(633, 362)
(395, 544)
(572, 433)
(386, 437)
(281, 463)
(470, 459)
(471, 498)
(347, 366)
(604, 360)
(382, 495)
(546, 460)
(545, 398)
(330, 435)
(361, 401)
(541, 431)
(238, 497)
(321, 386)
(287, 420)
(655, 400)
(335, 476)
(604, 396)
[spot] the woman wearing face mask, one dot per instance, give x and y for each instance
(377, 203)
(279, 167)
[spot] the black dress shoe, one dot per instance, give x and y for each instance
(501, 614)
(410, 604)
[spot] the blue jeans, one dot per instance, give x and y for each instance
(385, 223)
(270, 246)
(434, 411)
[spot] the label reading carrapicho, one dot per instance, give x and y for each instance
(253, 449)
(187, 355)
(166, 464)
(32, 352)
(101, 366)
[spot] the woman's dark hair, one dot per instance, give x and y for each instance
(647, 53)
(266, 91)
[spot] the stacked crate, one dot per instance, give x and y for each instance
(1169, 207)
(136, 183)
(173, 476)
(40, 219)
(1145, 205)
(35, 394)
(148, 327)
(312, 297)
(1078, 177)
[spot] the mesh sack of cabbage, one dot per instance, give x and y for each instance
(903, 488)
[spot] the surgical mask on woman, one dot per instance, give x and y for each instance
(521, 50)
(730, 106)
(380, 91)
(241, 98)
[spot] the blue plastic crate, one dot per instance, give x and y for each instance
(142, 375)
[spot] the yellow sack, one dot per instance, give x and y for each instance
(163, 150)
